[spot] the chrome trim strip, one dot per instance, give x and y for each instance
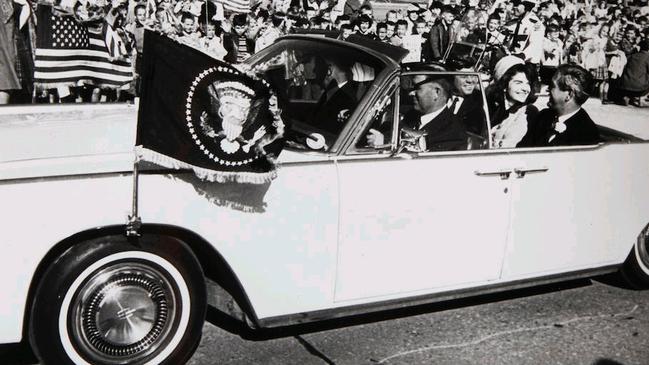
(327, 314)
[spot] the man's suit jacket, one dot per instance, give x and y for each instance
(580, 130)
(444, 133)
(472, 113)
(331, 103)
(440, 38)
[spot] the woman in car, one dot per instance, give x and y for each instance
(510, 100)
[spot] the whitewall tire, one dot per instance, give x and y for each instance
(106, 301)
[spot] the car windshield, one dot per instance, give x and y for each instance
(319, 85)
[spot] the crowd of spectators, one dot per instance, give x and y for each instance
(608, 38)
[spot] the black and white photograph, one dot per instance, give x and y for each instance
(349, 182)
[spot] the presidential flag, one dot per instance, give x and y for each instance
(202, 114)
(69, 53)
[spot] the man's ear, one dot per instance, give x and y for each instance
(569, 95)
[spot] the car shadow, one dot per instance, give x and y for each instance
(17, 354)
(225, 322)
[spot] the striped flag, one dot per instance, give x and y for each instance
(236, 6)
(69, 54)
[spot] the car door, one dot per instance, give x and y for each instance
(417, 223)
(574, 208)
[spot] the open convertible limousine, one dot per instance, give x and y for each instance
(345, 227)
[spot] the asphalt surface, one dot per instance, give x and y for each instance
(578, 322)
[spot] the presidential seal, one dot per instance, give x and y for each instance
(231, 118)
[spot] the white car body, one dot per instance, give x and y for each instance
(340, 233)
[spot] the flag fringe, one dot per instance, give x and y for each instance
(145, 154)
(233, 205)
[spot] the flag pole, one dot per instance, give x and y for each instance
(134, 221)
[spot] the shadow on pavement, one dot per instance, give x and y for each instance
(237, 327)
(17, 354)
(607, 362)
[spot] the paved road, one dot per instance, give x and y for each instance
(579, 322)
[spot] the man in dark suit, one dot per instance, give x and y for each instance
(431, 124)
(442, 34)
(565, 122)
(466, 100)
(339, 98)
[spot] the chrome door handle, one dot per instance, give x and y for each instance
(520, 173)
(504, 174)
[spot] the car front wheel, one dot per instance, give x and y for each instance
(109, 302)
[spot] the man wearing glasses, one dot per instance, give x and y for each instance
(430, 123)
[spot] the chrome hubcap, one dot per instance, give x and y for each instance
(123, 313)
(643, 247)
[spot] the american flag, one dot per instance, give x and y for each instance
(69, 53)
(236, 6)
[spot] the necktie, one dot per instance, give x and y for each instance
(552, 133)
(453, 104)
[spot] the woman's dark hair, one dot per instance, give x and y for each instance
(503, 83)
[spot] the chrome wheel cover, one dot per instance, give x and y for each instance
(123, 313)
(643, 248)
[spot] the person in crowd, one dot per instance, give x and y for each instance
(493, 34)
(382, 32)
(270, 33)
(552, 53)
(401, 31)
(435, 11)
(345, 31)
(572, 50)
(616, 61)
(390, 29)
(510, 99)
(364, 27)
(442, 34)
(412, 17)
(391, 16)
(420, 27)
(424, 33)
(9, 75)
(633, 85)
(136, 32)
(342, 20)
(467, 28)
(565, 122)
(212, 42)
(239, 47)
(366, 9)
(628, 43)
(166, 21)
(187, 33)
